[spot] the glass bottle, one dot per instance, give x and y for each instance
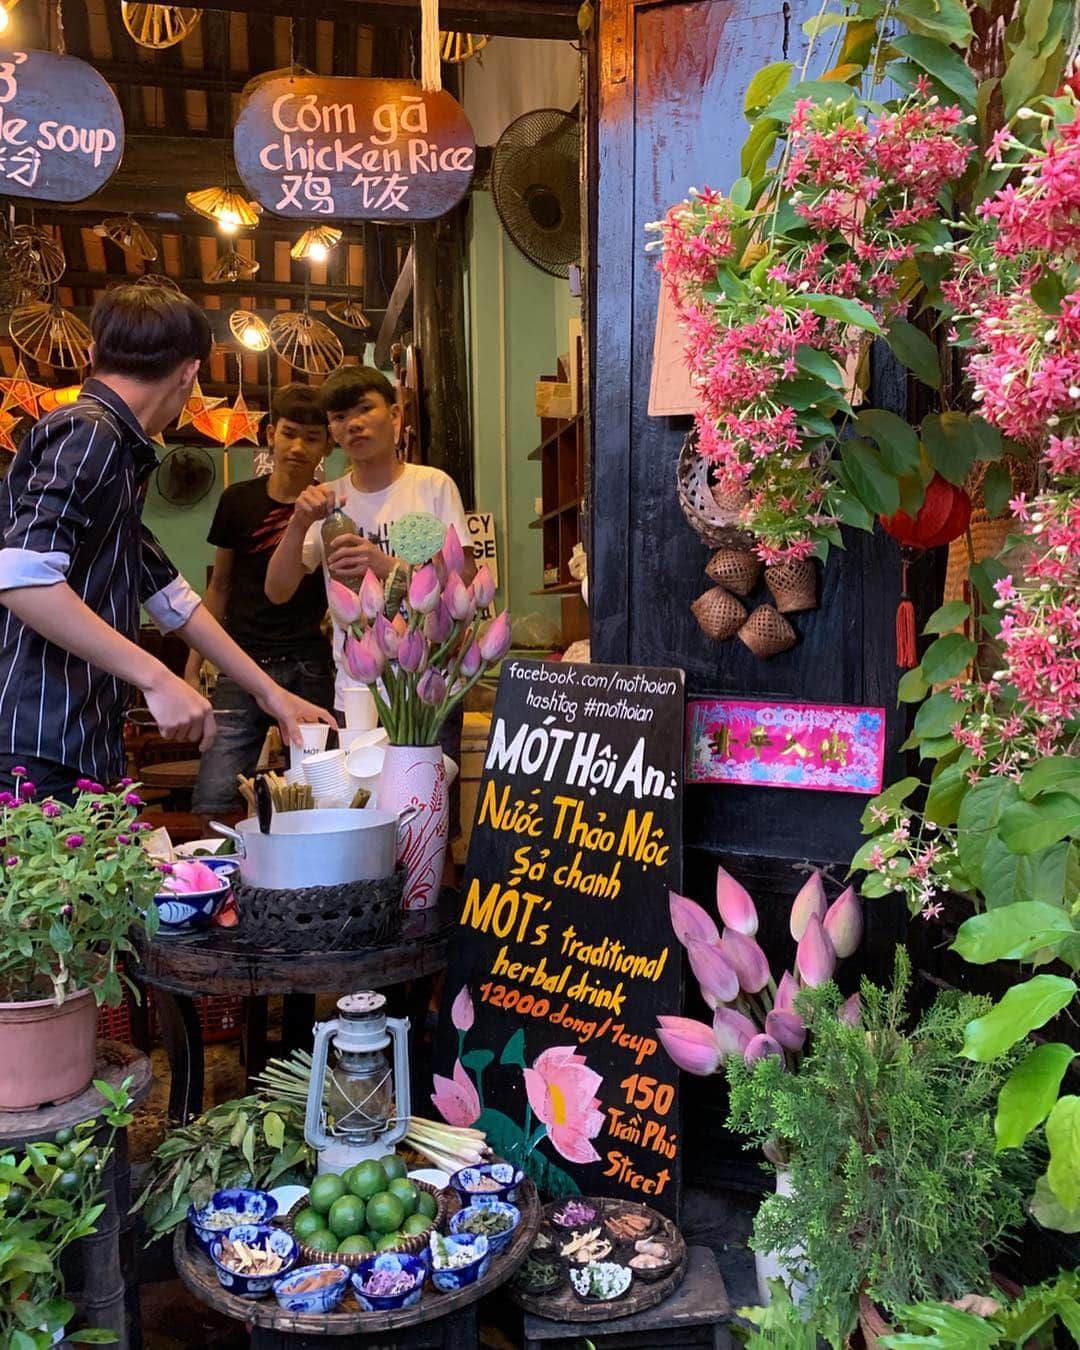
(336, 524)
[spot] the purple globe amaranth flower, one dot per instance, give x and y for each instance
(132, 799)
(786, 1027)
(735, 905)
(850, 1011)
(372, 595)
(387, 636)
(123, 838)
(690, 1044)
(344, 604)
(453, 555)
(815, 959)
(74, 840)
(843, 923)
(67, 911)
(483, 587)
(7, 799)
(496, 638)
(363, 659)
(51, 808)
(719, 983)
(11, 862)
(733, 1031)
(19, 769)
(747, 960)
(431, 688)
(458, 600)
(26, 788)
(690, 922)
(84, 784)
(424, 589)
(761, 1047)
(412, 654)
(472, 661)
(786, 991)
(462, 1012)
(810, 900)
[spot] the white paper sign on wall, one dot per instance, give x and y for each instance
(482, 528)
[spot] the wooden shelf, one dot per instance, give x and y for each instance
(538, 523)
(570, 424)
(564, 588)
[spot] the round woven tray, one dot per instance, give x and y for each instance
(412, 1245)
(323, 918)
(716, 524)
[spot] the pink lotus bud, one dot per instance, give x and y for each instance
(761, 1047)
(387, 636)
(690, 922)
(412, 653)
(850, 1011)
(732, 1030)
(364, 660)
(483, 587)
(496, 638)
(438, 625)
(458, 600)
(431, 688)
(810, 900)
(424, 589)
(815, 959)
(344, 604)
(690, 1044)
(471, 661)
(786, 991)
(735, 905)
(719, 983)
(746, 959)
(188, 876)
(453, 555)
(843, 922)
(372, 595)
(400, 624)
(462, 1013)
(786, 1027)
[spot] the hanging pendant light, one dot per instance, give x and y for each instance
(305, 343)
(50, 334)
(129, 235)
(314, 244)
(158, 26)
(349, 313)
(228, 209)
(249, 330)
(231, 267)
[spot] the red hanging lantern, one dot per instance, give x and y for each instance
(943, 517)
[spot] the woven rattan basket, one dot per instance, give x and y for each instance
(718, 613)
(323, 918)
(736, 569)
(767, 633)
(716, 522)
(412, 1245)
(793, 585)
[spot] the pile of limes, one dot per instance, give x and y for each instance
(369, 1208)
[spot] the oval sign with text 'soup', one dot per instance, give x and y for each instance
(61, 128)
(318, 147)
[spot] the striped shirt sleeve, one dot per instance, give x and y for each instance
(164, 594)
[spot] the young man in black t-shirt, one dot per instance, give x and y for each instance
(286, 640)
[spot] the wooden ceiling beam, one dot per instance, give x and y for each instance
(196, 286)
(125, 74)
(511, 18)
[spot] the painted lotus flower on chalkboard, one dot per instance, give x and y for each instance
(560, 1103)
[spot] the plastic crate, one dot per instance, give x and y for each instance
(221, 1019)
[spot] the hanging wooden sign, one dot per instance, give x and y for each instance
(61, 128)
(315, 147)
(564, 958)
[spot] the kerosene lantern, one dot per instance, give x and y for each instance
(368, 1102)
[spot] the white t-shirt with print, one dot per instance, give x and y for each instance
(419, 488)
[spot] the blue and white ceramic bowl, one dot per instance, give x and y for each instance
(322, 1300)
(506, 1175)
(230, 1208)
(181, 911)
(464, 1219)
(451, 1278)
(265, 1238)
(416, 1267)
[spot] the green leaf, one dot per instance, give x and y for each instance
(819, 364)
(782, 107)
(757, 149)
(951, 444)
(946, 793)
(943, 64)
(938, 715)
(1021, 79)
(846, 311)
(767, 83)
(913, 348)
(1060, 771)
(93, 1336)
(1030, 1092)
(514, 1049)
(897, 439)
(1030, 827)
(948, 657)
(478, 1059)
(274, 1130)
(1023, 1008)
(987, 438)
(891, 799)
(821, 23)
(740, 192)
(1050, 1212)
(1012, 933)
(997, 489)
(944, 19)
(912, 688)
(947, 617)
(1048, 292)
(951, 1329)
(875, 488)
(1063, 1136)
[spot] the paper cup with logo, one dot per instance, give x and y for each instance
(314, 736)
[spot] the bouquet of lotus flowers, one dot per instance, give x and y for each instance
(753, 1014)
(420, 663)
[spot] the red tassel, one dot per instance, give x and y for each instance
(907, 656)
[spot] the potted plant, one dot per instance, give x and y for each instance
(419, 644)
(75, 880)
(50, 1198)
(898, 1192)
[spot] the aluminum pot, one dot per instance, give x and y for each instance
(317, 848)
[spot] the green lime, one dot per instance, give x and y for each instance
(385, 1213)
(368, 1179)
(415, 1224)
(16, 1199)
(347, 1216)
(389, 1243)
(346, 1176)
(63, 1137)
(393, 1166)
(322, 1240)
(357, 1245)
(308, 1221)
(69, 1183)
(89, 1160)
(426, 1204)
(406, 1192)
(324, 1191)
(65, 1160)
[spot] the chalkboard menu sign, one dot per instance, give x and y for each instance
(563, 956)
(313, 147)
(61, 129)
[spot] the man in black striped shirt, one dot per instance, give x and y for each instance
(76, 563)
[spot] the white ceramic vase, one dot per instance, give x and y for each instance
(777, 1265)
(414, 775)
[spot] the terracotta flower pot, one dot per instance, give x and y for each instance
(46, 1052)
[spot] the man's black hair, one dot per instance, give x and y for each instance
(145, 332)
(349, 384)
(299, 403)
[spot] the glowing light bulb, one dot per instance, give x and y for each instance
(5, 18)
(251, 337)
(228, 222)
(318, 252)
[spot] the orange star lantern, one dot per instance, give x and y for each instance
(20, 391)
(197, 405)
(229, 425)
(7, 425)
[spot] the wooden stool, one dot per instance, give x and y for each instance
(695, 1315)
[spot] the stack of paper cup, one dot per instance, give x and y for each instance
(329, 778)
(314, 734)
(360, 711)
(295, 775)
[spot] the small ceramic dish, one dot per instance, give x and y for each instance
(230, 1208)
(494, 1219)
(542, 1273)
(600, 1281)
(629, 1223)
(312, 1289)
(181, 911)
(263, 1238)
(576, 1213)
(487, 1181)
(657, 1249)
(389, 1268)
(443, 1250)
